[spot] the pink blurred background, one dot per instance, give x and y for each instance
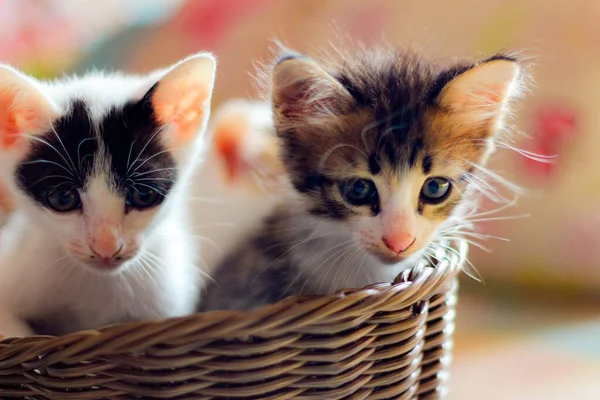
(531, 331)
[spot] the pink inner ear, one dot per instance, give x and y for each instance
(303, 98)
(9, 120)
(181, 104)
(15, 120)
(228, 142)
(494, 93)
(490, 95)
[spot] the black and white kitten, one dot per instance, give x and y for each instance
(99, 166)
(383, 151)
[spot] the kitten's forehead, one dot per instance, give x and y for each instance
(101, 198)
(100, 92)
(395, 125)
(384, 128)
(123, 145)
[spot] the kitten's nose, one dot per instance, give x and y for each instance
(106, 243)
(398, 243)
(106, 256)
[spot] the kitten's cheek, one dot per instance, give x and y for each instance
(132, 248)
(76, 249)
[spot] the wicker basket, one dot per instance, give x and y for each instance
(387, 341)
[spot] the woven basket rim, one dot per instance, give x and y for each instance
(410, 287)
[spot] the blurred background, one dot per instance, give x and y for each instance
(532, 330)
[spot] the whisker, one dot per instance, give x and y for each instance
(48, 162)
(375, 124)
(159, 130)
(152, 179)
(468, 268)
(211, 242)
(332, 149)
(505, 182)
(79, 164)
(385, 133)
(150, 158)
(548, 159)
(508, 217)
(263, 270)
(513, 202)
(323, 253)
(478, 235)
(151, 187)
(153, 171)
(478, 245)
(202, 272)
(65, 149)
(33, 137)
(129, 155)
(494, 195)
(340, 254)
(66, 178)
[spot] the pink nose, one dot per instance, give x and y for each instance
(106, 254)
(106, 243)
(399, 243)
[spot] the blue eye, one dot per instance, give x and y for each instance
(63, 200)
(143, 197)
(359, 191)
(435, 190)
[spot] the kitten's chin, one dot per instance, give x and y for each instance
(111, 267)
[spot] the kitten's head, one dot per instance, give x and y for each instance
(95, 160)
(384, 145)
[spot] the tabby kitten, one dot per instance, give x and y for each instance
(98, 166)
(383, 151)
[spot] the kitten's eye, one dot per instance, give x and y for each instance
(63, 200)
(359, 191)
(143, 197)
(435, 190)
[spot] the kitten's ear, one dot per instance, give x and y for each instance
(302, 90)
(182, 97)
(244, 140)
(24, 109)
(480, 95)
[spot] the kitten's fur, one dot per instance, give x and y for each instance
(388, 117)
(103, 138)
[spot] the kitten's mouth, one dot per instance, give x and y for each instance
(102, 266)
(385, 256)
(106, 265)
(390, 258)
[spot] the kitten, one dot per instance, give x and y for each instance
(239, 180)
(99, 166)
(383, 150)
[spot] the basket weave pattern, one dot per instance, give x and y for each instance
(386, 341)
